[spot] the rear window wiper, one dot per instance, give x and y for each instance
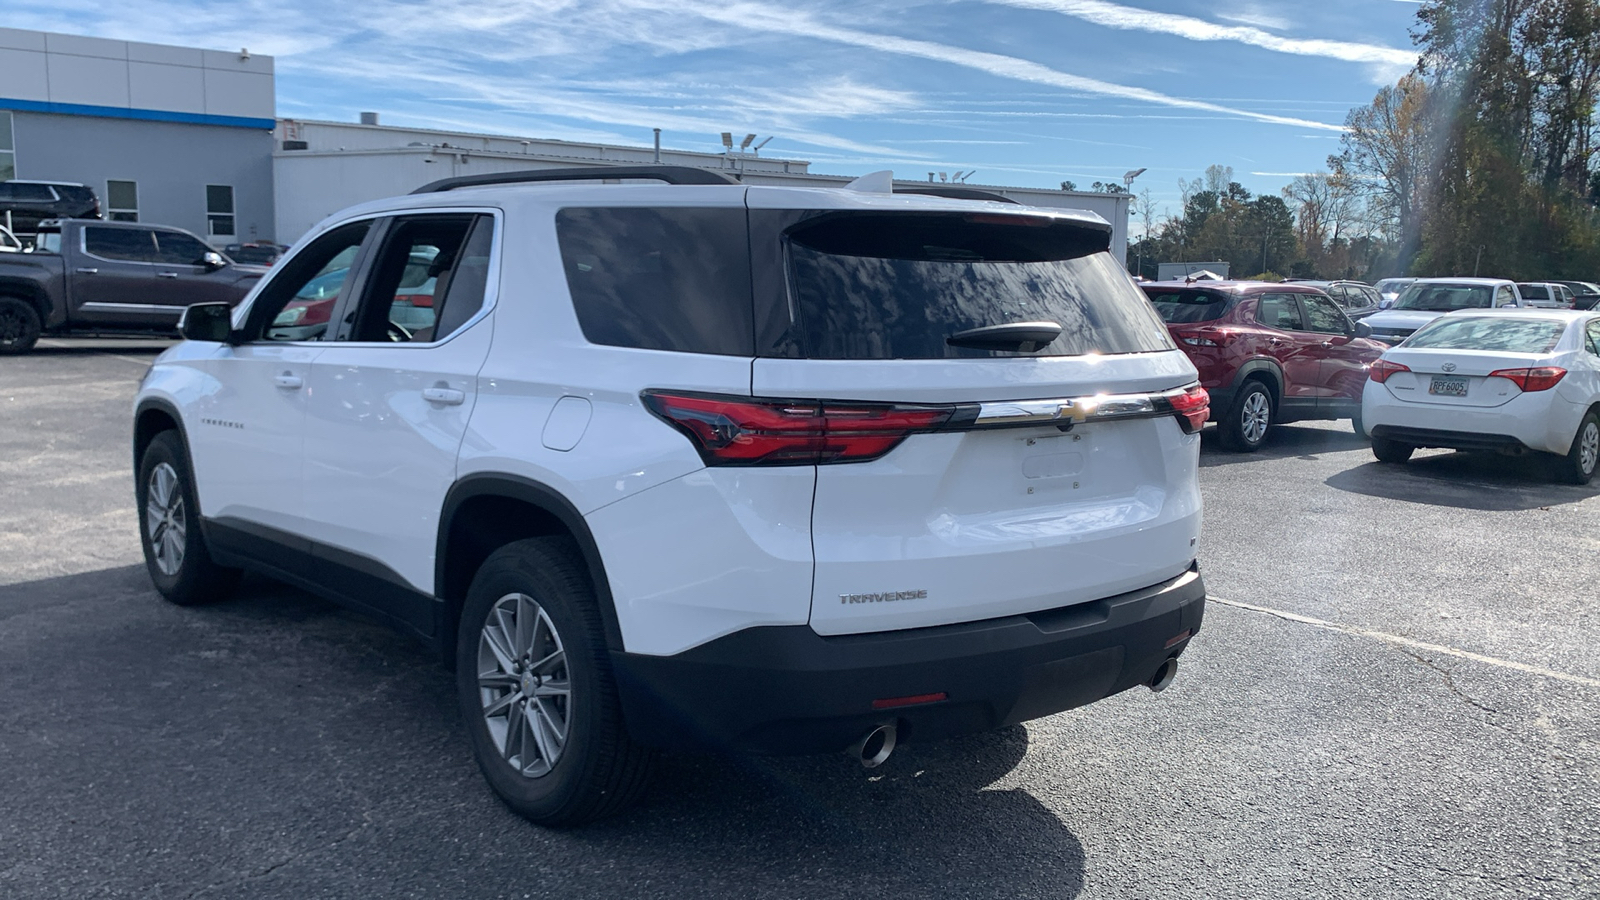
(1023, 337)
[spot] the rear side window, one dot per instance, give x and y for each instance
(896, 286)
(1489, 333)
(660, 278)
(130, 244)
(1180, 307)
(1279, 311)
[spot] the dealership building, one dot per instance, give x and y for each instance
(190, 137)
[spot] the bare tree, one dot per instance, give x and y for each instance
(1385, 155)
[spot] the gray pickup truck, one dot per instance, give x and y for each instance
(86, 276)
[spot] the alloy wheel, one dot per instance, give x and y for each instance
(164, 519)
(524, 685)
(1589, 446)
(1255, 416)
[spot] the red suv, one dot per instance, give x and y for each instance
(1268, 353)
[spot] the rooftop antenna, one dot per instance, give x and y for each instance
(873, 183)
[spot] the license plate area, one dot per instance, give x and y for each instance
(1448, 387)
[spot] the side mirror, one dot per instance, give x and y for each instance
(1363, 330)
(206, 322)
(213, 260)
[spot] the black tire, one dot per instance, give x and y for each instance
(1578, 466)
(1391, 451)
(19, 326)
(195, 578)
(1248, 421)
(598, 769)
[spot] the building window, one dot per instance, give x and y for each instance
(8, 156)
(219, 210)
(122, 201)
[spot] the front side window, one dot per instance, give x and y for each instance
(122, 201)
(179, 249)
(122, 244)
(429, 278)
(1279, 311)
(900, 286)
(298, 302)
(219, 210)
(1592, 335)
(1505, 297)
(1323, 316)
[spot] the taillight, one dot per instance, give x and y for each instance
(731, 431)
(1381, 369)
(1538, 378)
(1193, 407)
(1206, 337)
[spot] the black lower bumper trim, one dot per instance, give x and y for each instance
(1453, 440)
(787, 689)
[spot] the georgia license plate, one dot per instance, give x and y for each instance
(1448, 387)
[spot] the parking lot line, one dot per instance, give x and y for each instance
(1408, 642)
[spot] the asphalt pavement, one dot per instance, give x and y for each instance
(1395, 695)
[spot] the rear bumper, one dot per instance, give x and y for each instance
(1453, 440)
(787, 689)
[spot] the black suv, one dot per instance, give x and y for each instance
(27, 203)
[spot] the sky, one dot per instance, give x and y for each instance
(1024, 92)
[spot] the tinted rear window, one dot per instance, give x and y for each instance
(660, 279)
(1489, 333)
(1177, 307)
(895, 286)
(1444, 297)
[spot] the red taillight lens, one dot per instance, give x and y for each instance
(731, 431)
(1193, 407)
(1204, 337)
(1539, 378)
(1380, 370)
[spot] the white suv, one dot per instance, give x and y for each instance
(775, 469)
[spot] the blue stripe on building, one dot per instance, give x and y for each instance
(121, 112)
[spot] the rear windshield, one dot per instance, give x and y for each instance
(660, 278)
(1177, 307)
(896, 286)
(1445, 297)
(1489, 333)
(1534, 291)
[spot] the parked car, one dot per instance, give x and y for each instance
(644, 496)
(1585, 294)
(94, 277)
(24, 204)
(1389, 290)
(1425, 299)
(1358, 299)
(255, 253)
(1545, 294)
(1512, 381)
(1267, 354)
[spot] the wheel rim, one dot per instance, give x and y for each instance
(164, 519)
(524, 685)
(11, 326)
(1255, 417)
(1589, 446)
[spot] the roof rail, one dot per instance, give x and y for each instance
(955, 193)
(668, 174)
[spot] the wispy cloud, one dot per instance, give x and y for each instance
(787, 21)
(1129, 18)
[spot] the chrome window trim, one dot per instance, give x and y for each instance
(1077, 410)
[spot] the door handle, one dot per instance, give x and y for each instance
(447, 396)
(166, 274)
(288, 381)
(88, 271)
(1326, 345)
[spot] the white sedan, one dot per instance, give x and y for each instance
(1510, 380)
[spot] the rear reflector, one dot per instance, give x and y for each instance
(1381, 369)
(1540, 378)
(894, 702)
(1180, 638)
(731, 431)
(1193, 407)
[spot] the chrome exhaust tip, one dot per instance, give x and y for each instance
(1164, 676)
(874, 749)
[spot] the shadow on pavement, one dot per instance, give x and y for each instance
(276, 745)
(1284, 441)
(1483, 481)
